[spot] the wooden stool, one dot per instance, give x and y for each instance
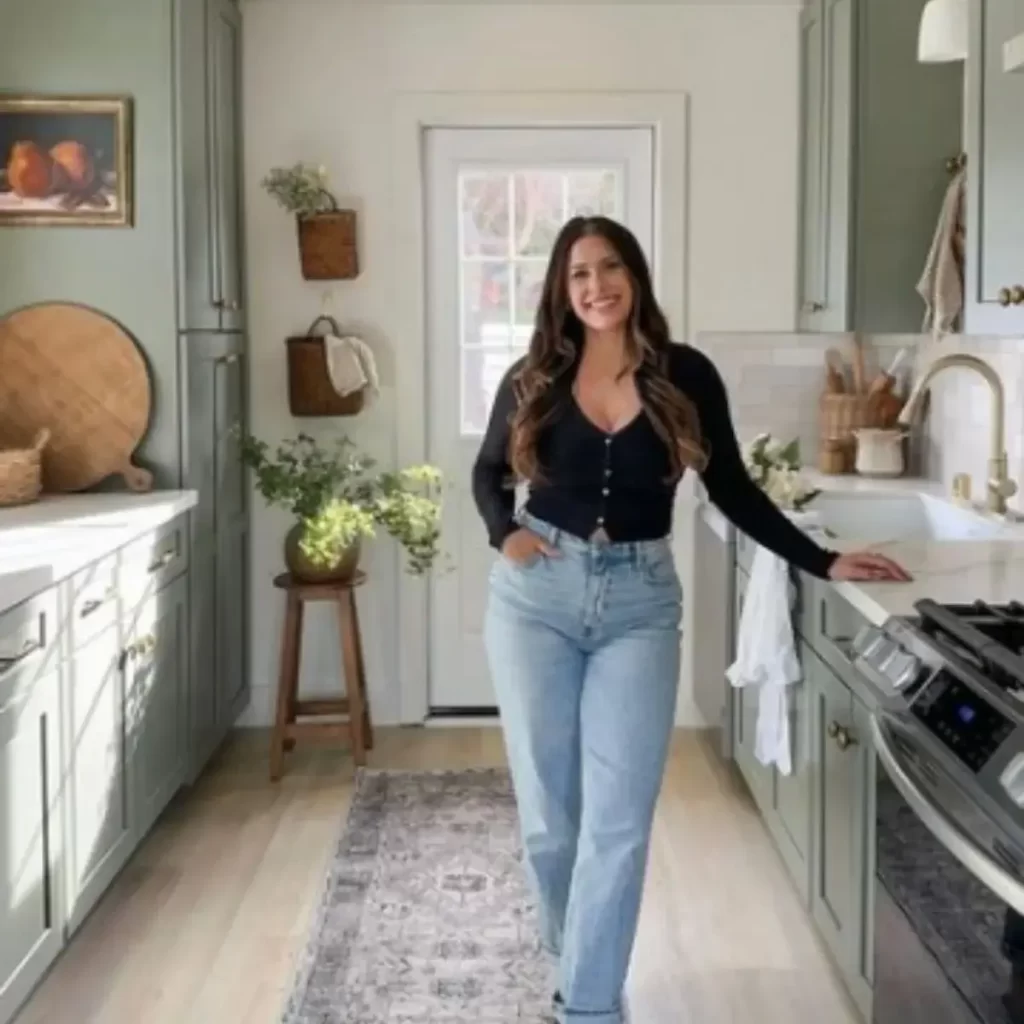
(354, 705)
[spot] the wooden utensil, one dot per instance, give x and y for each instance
(77, 373)
(835, 372)
(858, 365)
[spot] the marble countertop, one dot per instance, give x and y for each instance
(51, 539)
(943, 570)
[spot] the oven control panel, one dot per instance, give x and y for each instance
(963, 720)
(888, 660)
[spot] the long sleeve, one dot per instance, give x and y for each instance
(492, 491)
(730, 486)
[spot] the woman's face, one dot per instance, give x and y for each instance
(600, 291)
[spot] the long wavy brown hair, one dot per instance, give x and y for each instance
(557, 346)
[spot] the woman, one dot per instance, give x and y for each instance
(602, 418)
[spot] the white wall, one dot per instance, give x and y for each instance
(321, 81)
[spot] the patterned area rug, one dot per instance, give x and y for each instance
(425, 918)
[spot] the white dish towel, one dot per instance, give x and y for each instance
(766, 652)
(350, 365)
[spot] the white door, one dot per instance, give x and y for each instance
(496, 198)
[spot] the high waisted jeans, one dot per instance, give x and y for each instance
(584, 652)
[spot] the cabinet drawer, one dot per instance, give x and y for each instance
(92, 600)
(831, 623)
(151, 562)
(28, 643)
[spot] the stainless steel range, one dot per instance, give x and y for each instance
(949, 848)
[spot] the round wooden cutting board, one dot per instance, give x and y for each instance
(81, 376)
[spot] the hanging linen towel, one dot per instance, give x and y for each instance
(766, 652)
(350, 365)
(942, 281)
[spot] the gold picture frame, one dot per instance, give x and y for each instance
(66, 160)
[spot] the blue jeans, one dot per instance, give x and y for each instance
(584, 652)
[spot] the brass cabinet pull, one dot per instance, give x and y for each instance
(1017, 295)
(1013, 296)
(842, 736)
(833, 730)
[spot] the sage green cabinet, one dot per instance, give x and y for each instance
(98, 813)
(31, 883)
(155, 660)
(877, 129)
(215, 410)
(210, 239)
(783, 800)
(842, 773)
(995, 147)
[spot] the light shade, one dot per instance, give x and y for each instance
(942, 37)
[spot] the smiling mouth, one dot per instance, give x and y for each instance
(602, 304)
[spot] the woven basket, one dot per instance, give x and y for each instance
(327, 246)
(21, 472)
(310, 391)
(840, 416)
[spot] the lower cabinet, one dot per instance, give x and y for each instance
(842, 775)
(784, 800)
(31, 850)
(94, 718)
(820, 816)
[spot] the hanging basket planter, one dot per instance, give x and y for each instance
(327, 245)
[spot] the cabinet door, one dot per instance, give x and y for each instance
(812, 151)
(210, 235)
(995, 146)
(790, 820)
(156, 673)
(224, 113)
(218, 602)
(97, 805)
(838, 808)
(30, 851)
(757, 775)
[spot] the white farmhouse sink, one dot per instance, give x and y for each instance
(903, 516)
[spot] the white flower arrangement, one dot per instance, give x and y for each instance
(775, 468)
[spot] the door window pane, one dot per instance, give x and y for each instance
(484, 214)
(482, 370)
(508, 222)
(485, 302)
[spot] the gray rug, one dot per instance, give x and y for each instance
(425, 917)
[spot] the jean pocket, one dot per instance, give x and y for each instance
(659, 569)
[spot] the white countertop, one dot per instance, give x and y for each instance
(51, 539)
(945, 571)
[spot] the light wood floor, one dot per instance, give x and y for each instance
(203, 924)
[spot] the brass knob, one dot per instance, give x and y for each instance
(845, 740)
(1017, 295)
(1003, 297)
(833, 730)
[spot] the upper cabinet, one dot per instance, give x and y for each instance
(877, 131)
(210, 236)
(994, 278)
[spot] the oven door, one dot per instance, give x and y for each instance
(949, 895)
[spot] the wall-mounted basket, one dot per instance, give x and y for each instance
(327, 246)
(310, 391)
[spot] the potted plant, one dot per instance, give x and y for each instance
(327, 235)
(338, 502)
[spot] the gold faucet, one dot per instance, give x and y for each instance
(1000, 486)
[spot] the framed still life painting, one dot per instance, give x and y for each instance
(65, 160)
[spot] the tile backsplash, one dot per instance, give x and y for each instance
(774, 381)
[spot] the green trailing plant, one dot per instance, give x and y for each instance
(338, 499)
(301, 189)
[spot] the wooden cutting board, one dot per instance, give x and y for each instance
(80, 375)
